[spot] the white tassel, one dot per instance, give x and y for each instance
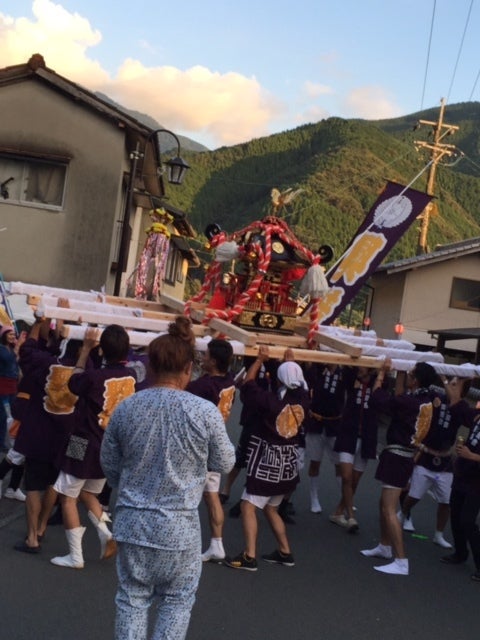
(227, 251)
(314, 282)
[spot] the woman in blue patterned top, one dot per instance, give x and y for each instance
(156, 451)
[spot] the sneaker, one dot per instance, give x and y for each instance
(340, 520)
(352, 525)
(242, 561)
(453, 559)
(440, 540)
(15, 494)
(277, 557)
(475, 576)
(315, 506)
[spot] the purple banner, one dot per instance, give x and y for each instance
(389, 218)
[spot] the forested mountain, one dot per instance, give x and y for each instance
(341, 165)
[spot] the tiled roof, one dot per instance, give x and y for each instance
(36, 68)
(441, 253)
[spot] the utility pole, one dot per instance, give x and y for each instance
(437, 151)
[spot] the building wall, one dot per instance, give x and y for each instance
(177, 289)
(426, 304)
(69, 248)
(386, 303)
(142, 221)
(420, 298)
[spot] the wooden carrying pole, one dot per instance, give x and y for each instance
(145, 320)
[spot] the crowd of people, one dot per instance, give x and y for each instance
(422, 415)
(88, 417)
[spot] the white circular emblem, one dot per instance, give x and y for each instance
(392, 212)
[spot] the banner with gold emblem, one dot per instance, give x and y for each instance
(389, 218)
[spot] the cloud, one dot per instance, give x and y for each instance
(61, 37)
(228, 108)
(370, 102)
(315, 89)
(311, 114)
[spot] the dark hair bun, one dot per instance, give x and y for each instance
(181, 328)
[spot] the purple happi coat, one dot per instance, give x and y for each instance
(272, 463)
(99, 391)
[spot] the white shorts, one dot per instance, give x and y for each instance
(423, 480)
(212, 482)
(71, 486)
(359, 463)
(317, 444)
(15, 458)
(261, 501)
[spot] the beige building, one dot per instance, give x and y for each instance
(65, 160)
(435, 298)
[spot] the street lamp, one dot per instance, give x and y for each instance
(176, 169)
(176, 166)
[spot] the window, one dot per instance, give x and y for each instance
(31, 181)
(173, 269)
(465, 294)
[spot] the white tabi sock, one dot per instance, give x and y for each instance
(315, 505)
(215, 551)
(399, 567)
(380, 551)
(440, 540)
(216, 545)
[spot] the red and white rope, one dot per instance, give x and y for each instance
(270, 226)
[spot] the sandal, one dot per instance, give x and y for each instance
(25, 548)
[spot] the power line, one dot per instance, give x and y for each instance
(432, 22)
(337, 192)
(475, 164)
(460, 50)
(235, 181)
(474, 86)
(428, 53)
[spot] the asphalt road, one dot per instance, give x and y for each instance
(332, 592)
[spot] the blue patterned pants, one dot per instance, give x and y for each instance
(165, 578)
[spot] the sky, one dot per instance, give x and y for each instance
(223, 72)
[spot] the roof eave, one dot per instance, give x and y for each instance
(425, 260)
